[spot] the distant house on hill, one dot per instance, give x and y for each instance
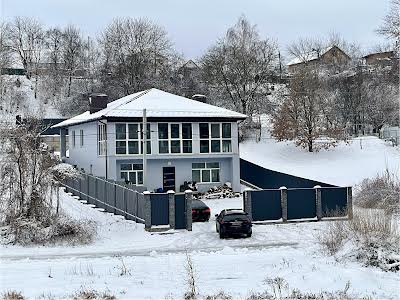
(380, 59)
(330, 56)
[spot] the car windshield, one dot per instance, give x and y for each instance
(236, 217)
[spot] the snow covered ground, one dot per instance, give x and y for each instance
(344, 165)
(156, 261)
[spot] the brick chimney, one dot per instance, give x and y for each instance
(97, 102)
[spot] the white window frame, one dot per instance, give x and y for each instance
(220, 138)
(81, 138)
(132, 171)
(139, 139)
(101, 139)
(170, 138)
(210, 169)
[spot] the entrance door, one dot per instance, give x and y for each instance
(168, 179)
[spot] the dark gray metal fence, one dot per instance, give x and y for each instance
(269, 179)
(301, 204)
(109, 196)
(152, 209)
(266, 205)
(334, 201)
(180, 211)
(293, 204)
(159, 209)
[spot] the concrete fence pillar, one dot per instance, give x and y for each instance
(147, 210)
(188, 200)
(318, 201)
(284, 203)
(171, 203)
(350, 202)
(247, 202)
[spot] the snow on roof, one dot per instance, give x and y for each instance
(157, 104)
(309, 56)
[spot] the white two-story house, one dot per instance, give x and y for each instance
(186, 140)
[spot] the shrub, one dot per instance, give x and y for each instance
(86, 294)
(49, 231)
(380, 192)
(332, 237)
(12, 295)
(373, 234)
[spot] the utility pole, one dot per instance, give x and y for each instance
(144, 133)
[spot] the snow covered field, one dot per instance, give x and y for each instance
(344, 165)
(156, 261)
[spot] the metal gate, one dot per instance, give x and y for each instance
(180, 211)
(159, 209)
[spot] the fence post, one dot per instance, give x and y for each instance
(318, 201)
(147, 210)
(171, 202)
(87, 190)
(125, 203)
(284, 203)
(350, 202)
(96, 192)
(80, 187)
(115, 199)
(247, 203)
(105, 199)
(188, 200)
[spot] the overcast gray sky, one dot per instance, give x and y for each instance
(194, 25)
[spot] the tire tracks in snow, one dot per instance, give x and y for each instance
(143, 252)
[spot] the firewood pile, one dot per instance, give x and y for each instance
(218, 192)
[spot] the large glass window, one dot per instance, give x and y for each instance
(101, 139)
(215, 137)
(132, 173)
(129, 138)
(205, 172)
(175, 138)
(163, 143)
(187, 138)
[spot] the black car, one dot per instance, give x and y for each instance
(200, 211)
(233, 222)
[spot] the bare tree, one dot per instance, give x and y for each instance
(305, 116)
(137, 54)
(54, 46)
(238, 67)
(391, 23)
(72, 48)
(5, 56)
(25, 36)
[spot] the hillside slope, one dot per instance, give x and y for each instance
(344, 165)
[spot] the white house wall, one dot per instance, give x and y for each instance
(86, 157)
